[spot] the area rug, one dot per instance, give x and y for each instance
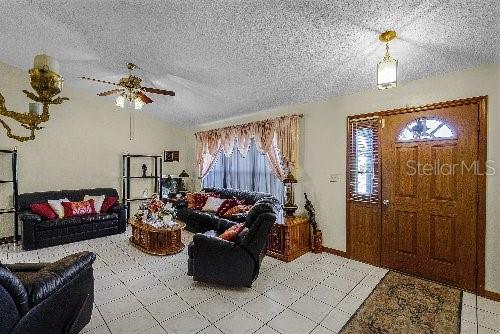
(404, 304)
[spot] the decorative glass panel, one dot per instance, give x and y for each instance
(364, 161)
(426, 129)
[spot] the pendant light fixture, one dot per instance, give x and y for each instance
(387, 69)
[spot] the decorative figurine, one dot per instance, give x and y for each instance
(317, 242)
(144, 170)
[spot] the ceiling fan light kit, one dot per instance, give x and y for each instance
(131, 91)
(387, 69)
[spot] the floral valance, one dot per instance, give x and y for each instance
(277, 138)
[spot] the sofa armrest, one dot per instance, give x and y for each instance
(121, 210)
(29, 220)
(25, 267)
(28, 216)
(13, 285)
(223, 225)
(44, 282)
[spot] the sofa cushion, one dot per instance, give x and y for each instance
(82, 208)
(108, 203)
(43, 210)
(101, 217)
(58, 223)
(232, 233)
(227, 205)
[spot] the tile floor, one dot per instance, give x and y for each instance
(317, 294)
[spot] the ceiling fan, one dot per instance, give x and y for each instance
(131, 90)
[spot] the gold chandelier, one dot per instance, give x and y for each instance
(47, 83)
(387, 69)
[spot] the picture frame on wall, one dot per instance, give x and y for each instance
(170, 156)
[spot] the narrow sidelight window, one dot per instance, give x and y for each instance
(363, 154)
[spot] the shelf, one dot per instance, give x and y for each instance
(142, 177)
(7, 151)
(10, 210)
(6, 181)
(137, 199)
(141, 156)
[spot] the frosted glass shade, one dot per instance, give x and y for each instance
(387, 73)
(120, 101)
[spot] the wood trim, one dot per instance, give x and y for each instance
(431, 106)
(481, 193)
(492, 295)
(335, 252)
(482, 102)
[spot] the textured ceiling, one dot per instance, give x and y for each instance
(225, 58)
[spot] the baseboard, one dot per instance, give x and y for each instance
(335, 252)
(492, 295)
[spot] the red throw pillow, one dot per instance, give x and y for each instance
(200, 199)
(82, 208)
(43, 210)
(231, 233)
(226, 205)
(108, 203)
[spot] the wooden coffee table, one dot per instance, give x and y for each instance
(157, 240)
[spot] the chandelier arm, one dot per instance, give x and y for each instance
(16, 137)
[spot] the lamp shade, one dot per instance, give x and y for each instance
(387, 73)
(120, 101)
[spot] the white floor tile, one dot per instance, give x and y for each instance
(153, 294)
(290, 322)
(215, 308)
(135, 322)
(311, 308)
(167, 308)
(238, 322)
(283, 295)
(263, 308)
(188, 322)
(335, 320)
(326, 295)
(119, 308)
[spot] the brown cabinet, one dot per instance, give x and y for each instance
(291, 239)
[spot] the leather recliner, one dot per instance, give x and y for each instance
(47, 297)
(214, 260)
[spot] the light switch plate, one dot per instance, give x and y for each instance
(334, 178)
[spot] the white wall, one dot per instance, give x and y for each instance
(82, 143)
(323, 146)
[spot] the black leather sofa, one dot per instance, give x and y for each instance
(39, 233)
(237, 263)
(47, 297)
(199, 222)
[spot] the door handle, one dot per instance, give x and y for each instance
(385, 203)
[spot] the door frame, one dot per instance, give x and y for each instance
(482, 102)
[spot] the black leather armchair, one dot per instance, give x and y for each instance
(237, 263)
(47, 297)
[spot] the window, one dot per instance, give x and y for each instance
(363, 160)
(426, 129)
(251, 172)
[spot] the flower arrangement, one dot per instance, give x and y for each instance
(156, 213)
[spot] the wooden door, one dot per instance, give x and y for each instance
(429, 193)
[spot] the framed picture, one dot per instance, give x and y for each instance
(170, 156)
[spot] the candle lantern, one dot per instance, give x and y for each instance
(289, 205)
(182, 186)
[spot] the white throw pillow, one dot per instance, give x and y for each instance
(98, 200)
(56, 205)
(212, 204)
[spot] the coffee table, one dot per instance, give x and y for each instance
(157, 240)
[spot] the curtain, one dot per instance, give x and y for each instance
(246, 172)
(277, 139)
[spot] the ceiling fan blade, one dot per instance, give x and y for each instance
(109, 92)
(158, 91)
(102, 81)
(144, 98)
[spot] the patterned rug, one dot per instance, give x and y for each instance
(404, 304)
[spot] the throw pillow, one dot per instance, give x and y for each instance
(237, 209)
(43, 210)
(226, 205)
(56, 205)
(212, 204)
(98, 200)
(191, 200)
(108, 203)
(200, 199)
(232, 233)
(72, 209)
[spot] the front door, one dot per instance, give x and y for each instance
(429, 193)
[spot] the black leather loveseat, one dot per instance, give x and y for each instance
(38, 233)
(199, 222)
(237, 263)
(47, 297)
